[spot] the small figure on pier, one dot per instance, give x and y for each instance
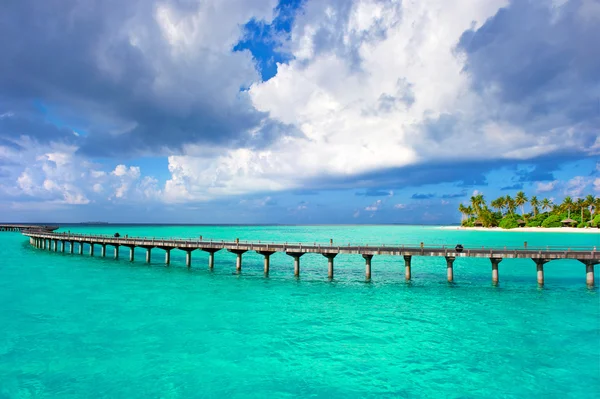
(117, 235)
(459, 248)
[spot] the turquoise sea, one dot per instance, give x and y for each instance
(72, 326)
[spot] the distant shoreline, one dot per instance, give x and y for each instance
(527, 229)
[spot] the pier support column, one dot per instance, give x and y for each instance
(211, 256)
(116, 252)
(329, 264)
(238, 261)
(407, 267)
(367, 259)
(131, 254)
(495, 262)
(71, 247)
(148, 254)
(167, 256)
(450, 267)
(62, 246)
(103, 250)
(188, 258)
(91, 249)
(540, 269)
(589, 271)
(296, 256)
(267, 255)
(80, 248)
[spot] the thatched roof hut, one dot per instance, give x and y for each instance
(478, 223)
(568, 222)
(521, 222)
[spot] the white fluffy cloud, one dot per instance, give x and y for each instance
(544, 187)
(363, 89)
(55, 174)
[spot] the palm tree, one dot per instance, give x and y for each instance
(589, 203)
(546, 204)
(534, 205)
(521, 200)
(510, 204)
(463, 210)
(469, 211)
(498, 204)
(581, 204)
(567, 204)
(477, 202)
(596, 205)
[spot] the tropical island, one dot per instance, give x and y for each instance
(580, 213)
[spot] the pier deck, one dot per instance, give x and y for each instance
(26, 227)
(540, 255)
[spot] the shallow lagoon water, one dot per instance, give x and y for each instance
(74, 326)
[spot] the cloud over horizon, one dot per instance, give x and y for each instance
(367, 95)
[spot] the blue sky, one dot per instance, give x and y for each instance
(297, 111)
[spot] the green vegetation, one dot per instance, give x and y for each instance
(581, 213)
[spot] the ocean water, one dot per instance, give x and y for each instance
(73, 326)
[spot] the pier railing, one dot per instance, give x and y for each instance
(589, 256)
(321, 244)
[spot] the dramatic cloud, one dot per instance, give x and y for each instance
(377, 96)
(136, 76)
(381, 85)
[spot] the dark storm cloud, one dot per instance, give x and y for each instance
(20, 124)
(543, 58)
(517, 186)
(455, 195)
(77, 58)
(422, 196)
(461, 174)
(373, 193)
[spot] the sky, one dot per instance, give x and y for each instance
(293, 111)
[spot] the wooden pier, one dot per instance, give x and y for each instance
(26, 227)
(57, 242)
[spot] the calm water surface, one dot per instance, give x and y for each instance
(77, 327)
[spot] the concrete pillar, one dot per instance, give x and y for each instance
(103, 250)
(540, 269)
(367, 259)
(71, 247)
(238, 260)
(80, 248)
(267, 255)
(188, 258)
(131, 254)
(49, 245)
(211, 260)
(329, 264)
(148, 254)
(167, 256)
(296, 256)
(450, 267)
(62, 246)
(495, 263)
(91, 249)
(407, 268)
(116, 252)
(589, 271)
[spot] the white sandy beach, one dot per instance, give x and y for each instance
(528, 229)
